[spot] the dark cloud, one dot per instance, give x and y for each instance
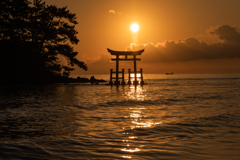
(227, 33)
(193, 49)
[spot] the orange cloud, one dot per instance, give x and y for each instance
(114, 12)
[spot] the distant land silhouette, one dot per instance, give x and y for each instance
(92, 80)
(32, 37)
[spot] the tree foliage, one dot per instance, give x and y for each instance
(32, 36)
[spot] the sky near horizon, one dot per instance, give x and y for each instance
(180, 36)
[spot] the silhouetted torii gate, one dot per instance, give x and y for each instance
(134, 59)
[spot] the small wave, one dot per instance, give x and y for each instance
(228, 119)
(127, 103)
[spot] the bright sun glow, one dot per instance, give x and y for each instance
(134, 27)
(133, 75)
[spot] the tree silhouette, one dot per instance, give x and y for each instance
(32, 36)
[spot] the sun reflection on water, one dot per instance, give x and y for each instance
(129, 157)
(145, 124)
(139, 118)
(133, 75)
(136, 93)
(132, 137)
(130, 150)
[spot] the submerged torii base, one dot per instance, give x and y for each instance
(134, 55)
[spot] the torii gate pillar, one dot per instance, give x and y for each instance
(117, 59)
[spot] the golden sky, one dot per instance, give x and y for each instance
(180, 36)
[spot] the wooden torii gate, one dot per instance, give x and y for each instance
(134, 55)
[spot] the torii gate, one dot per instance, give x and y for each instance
(134, 59)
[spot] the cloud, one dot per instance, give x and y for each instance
(103, 59)
(227, 34)
(114, 12)
(193, 49)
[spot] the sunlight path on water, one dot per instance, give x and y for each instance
(139, 119)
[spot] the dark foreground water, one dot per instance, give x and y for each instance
(191, 116)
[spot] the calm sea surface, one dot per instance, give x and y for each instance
(179, 116)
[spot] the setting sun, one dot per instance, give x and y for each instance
(134, 27)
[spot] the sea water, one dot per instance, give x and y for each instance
(179, 116)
